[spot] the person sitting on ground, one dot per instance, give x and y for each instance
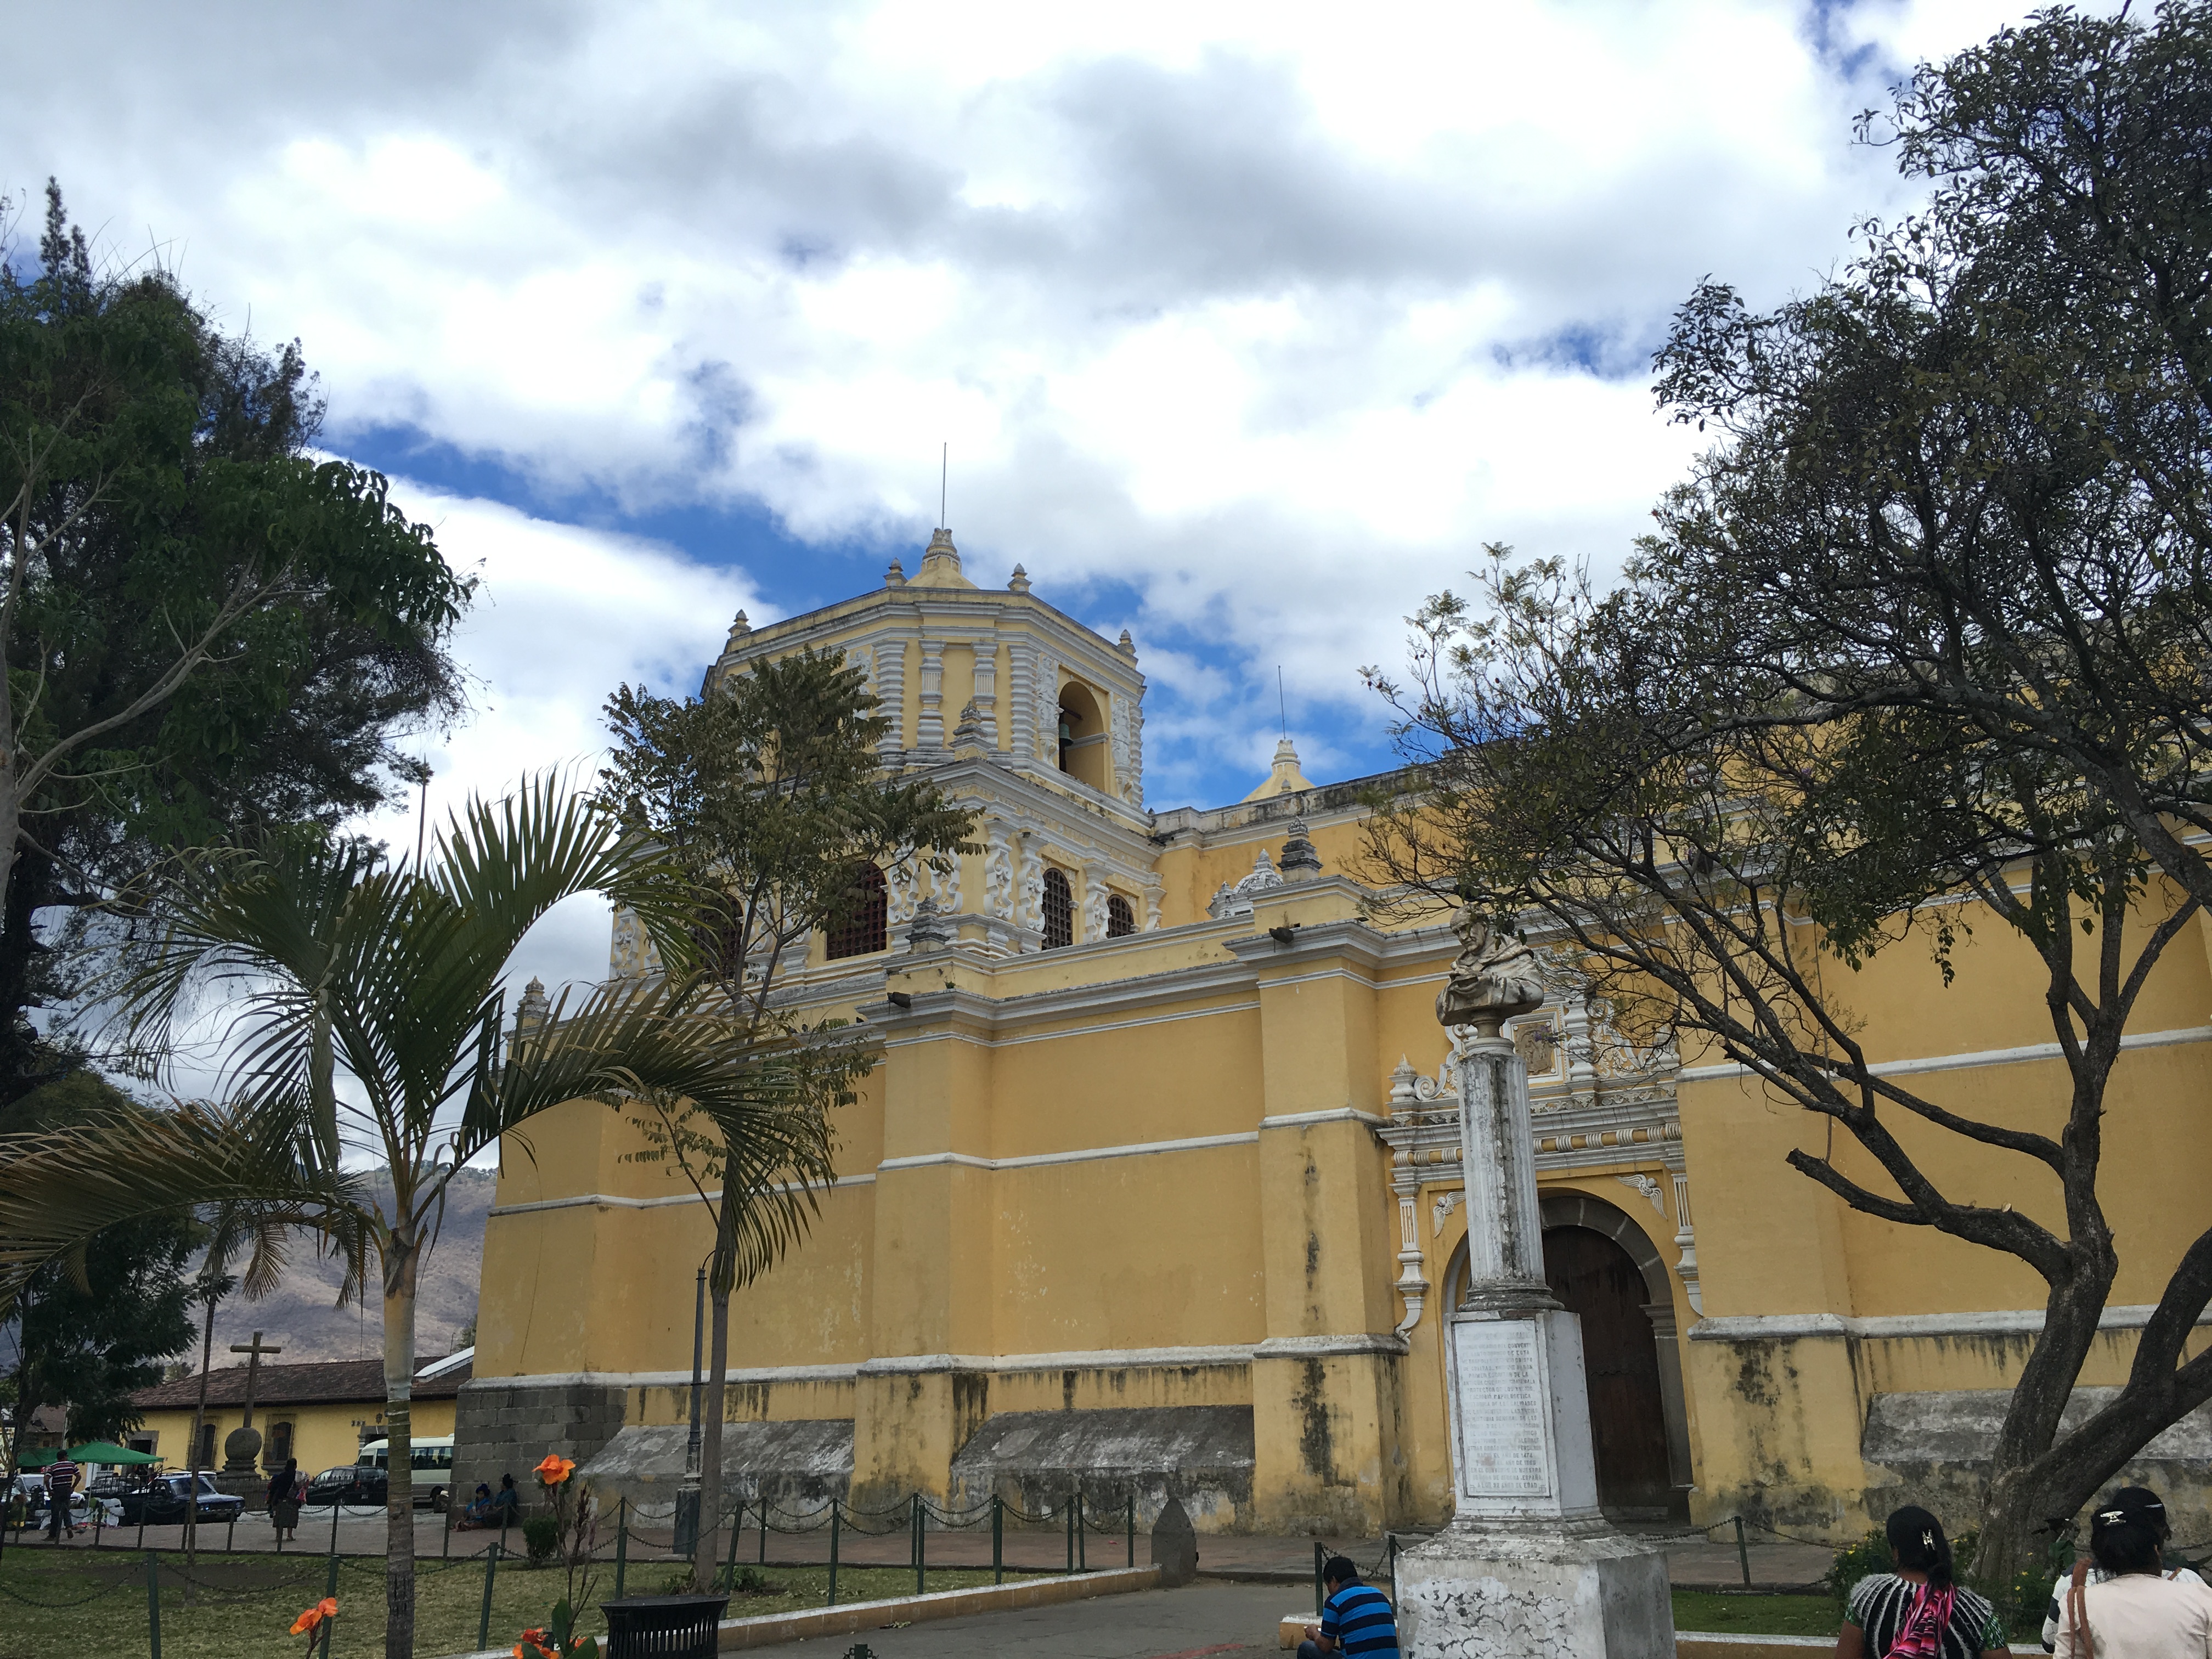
(506, 1502)
(1355, 1619)
(2146, 1502)
(478, 1512)
(1918, 1612)
(2136, 1610)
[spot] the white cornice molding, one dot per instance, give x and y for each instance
(1323, 1347)
(1080, 1155)
(1895, 1328)
(1332, 1115)
(614, 1201)
(1926, 1063)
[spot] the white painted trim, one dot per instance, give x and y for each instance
(1334, 1115)
(1101, 1359)
(2033, 1051)
(1316, 1347)
(1081, 1155)
(1250, 1004)
(2001, 1322)
(611, 1201)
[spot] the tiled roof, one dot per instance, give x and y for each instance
(336, 1382)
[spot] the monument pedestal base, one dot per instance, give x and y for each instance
(1550, 1589)
(250, 1484)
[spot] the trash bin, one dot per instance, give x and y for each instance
(663, 1626)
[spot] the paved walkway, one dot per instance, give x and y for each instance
(1208, 1619)
(1691, 1564)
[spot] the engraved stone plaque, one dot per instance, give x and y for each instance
(1502, 1440)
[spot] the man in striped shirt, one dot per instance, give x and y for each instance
(61, 1485)
(1355, 1620)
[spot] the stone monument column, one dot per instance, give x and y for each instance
(1528, 1565)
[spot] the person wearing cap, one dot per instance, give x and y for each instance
(2121, 1599)
(1355, 1620)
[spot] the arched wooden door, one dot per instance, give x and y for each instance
(1596, 1278)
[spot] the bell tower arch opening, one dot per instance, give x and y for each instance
(1084, 752)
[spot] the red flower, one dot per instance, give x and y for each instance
(325, 1608)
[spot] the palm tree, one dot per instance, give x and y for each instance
(366, 1016)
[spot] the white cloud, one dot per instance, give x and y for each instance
(1274, 313)
(562, 616)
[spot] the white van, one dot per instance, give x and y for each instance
(433, 1457)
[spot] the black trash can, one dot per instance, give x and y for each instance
(663, 1626)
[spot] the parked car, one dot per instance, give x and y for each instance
(165, 1500)
(366, 1487)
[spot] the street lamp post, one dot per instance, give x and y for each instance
(687, 1495)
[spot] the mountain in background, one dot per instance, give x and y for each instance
(301, 1315)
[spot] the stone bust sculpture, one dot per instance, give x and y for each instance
(1493, 978)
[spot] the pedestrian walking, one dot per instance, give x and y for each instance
(287, 1488)
(1917, 1611)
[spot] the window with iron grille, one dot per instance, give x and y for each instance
(1058, 911)
(1120, 920)
(865, 926)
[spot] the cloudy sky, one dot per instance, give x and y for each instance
(1246, 325)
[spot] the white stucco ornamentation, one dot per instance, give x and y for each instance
(1047, 684)
(1094, 905)
(633, 955)
(1128, 748)
(1030, 913)
(999, 876)
(1441, 1209)
(944, 885)
(902, 890)
(1647, 1185)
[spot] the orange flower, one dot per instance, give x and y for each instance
(554, 1469)
(325, 1608)
(533, 1640)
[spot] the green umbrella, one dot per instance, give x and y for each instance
(107, 1452)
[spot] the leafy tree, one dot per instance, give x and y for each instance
(204, 627)
(367, 1003)
(768, 795)
(94, 1332)
(1946, 582)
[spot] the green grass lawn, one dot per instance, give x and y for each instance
(1756, 1616)
(67, 1602)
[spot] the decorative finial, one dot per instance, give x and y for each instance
(533, 1009)
(1402, 1085)
(1019, 581)
(971, 729)
(1128, 646)
(896, 576)
(1300, 861)
(931, 929)
(739, 629)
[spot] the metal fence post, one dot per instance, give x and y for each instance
(833, 1552)
(1742, 1552)
(483, 1624)
(621, 1543)
(1321, 1557)
(335, 1508)
(763, 1529)
(920, 1549)
(153, 1605)
(998, 1538)
(1082, 1535)
(1070, 1532)
(1133, 1526)
(445, 1547)
(330, 1589)
(230, 1534)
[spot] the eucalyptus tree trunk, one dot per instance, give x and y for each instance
(403, 1256)
(721, 1280)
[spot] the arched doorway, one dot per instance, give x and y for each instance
(1597, 1280)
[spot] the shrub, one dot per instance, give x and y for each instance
(1853, 1562)
(541, 1534)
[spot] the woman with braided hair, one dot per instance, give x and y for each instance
(2130, 1607)
(1918, 1611)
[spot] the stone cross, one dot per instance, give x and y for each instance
(253, 1351)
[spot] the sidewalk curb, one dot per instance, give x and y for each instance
(856, 1616)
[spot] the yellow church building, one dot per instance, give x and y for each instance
(1156, 1187)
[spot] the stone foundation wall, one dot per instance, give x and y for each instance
(1199, 1455)
(502, 1426)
